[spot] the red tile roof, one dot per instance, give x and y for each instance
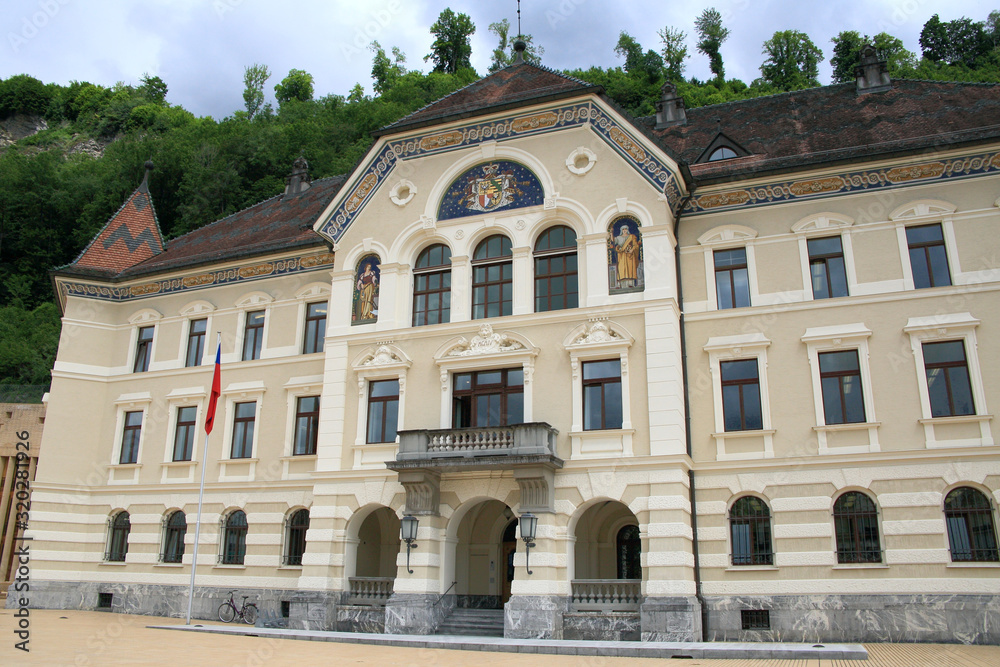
(131, 236)
(516, 85)
(833, 124)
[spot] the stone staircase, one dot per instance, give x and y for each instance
(473, 623)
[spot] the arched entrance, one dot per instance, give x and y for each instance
(607, 559)
(485, 541)
(376, 543)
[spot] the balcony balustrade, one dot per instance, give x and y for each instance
(606, 594)
(518, 440)
(370, 591)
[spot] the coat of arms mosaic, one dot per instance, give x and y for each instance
(489, 188)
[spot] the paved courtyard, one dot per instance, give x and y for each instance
(81, 638)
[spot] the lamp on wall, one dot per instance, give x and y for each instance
(408, 532)
(529, 523)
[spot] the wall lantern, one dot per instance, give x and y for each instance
(529, 523)
(408, 532)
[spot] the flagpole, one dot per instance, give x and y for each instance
(204, 465)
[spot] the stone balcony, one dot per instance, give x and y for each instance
(528, 450)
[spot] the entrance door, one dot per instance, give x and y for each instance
(509, 547)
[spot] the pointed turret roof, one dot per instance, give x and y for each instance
(517, 85)
(131, 236)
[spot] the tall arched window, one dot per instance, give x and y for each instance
(750, 532)
(234, 539)
(855, 521)
(432, 286)
(118, 530)
(173, 538)
(972, 535)
(492, 278)
(295, 537)
(629, 548)
(555, 270)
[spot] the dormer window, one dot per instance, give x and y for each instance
(722, 153)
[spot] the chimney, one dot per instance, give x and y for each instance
(299, 181)
(670, 108)
(872, 73)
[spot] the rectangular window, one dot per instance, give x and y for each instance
(143, 350)
(492, 290)
(948, 379)
(315, 328)
(928, 258)
(431, 297)
(196, 342)
(732, 279)
(184, 433)
(243, 424)
(383, 410)
(840, 376)
(488, 398)
(253, 335)
(306, 425)
(602, 395)
(130, 437)
(826, 267)
(741, 407)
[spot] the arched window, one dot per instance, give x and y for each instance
(555, 270)
(432, 286)
(234, 539)
(855, 521)
(295, 537)
(972, 535)
(722, 153)
(118, 530)
(173, 538)
(750, 532)
(492, 278)
(629, 547)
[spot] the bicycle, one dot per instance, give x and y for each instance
(228, 610)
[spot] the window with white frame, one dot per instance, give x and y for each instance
(119, 527)
(738, 365)
(143, 349)
(730, 267)
(306, 425)
(244, 420)
(949, 376)
(296, 526)
(842, 387)
(826, 253)
(196, 342)
(131, 434)
(174, 530)
(381, 373)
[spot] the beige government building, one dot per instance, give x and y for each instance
(731, 370)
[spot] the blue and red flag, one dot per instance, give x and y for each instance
(216, 391)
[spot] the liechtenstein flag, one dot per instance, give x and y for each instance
(216, 390)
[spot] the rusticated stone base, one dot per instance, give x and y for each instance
(359, 618)
(967, 619)
(535, 616)
(610, 626)
(416, 613)
(673, 619)
(313, 611)
(148, 599)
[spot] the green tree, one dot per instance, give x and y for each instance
(959, 42)
(646, 66)
(254, 78)
(23, 94)
(847, 54)
(386, 72)
(503, 55)
(792, 61)
(153, 89)
(451, 49)
(674, 52)
(711, 35)
(298, 85)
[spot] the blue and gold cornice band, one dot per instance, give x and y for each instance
(921, 173)
(621, 138)
(196, 281)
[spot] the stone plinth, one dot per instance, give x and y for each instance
(535, 616)
(416, 613)
(670, 619)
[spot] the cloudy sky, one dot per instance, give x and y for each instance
(200, 47)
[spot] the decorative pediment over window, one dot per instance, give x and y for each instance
(830, 222)
(734, 234)
(486, 342)
(598, 334)
(384, 355)
(314, 290)
(923, 208)
(145, 316)
(254, 299)
(197, 308)
(495, 186)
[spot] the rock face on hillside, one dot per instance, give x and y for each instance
(18, 127)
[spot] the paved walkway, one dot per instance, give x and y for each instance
(82, 638)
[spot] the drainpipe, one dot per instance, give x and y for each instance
(687, 426)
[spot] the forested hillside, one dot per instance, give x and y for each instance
(70, 155)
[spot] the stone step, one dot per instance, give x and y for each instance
(473, 623)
